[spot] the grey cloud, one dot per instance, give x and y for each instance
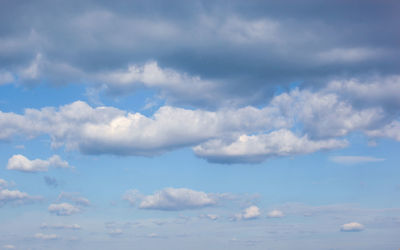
(247, 46)
(51, 181)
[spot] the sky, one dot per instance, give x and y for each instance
(199, 125)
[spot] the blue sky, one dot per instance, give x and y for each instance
(199, 125)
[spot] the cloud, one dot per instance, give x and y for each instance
(209, 216)
(352, 227)
(355, 159)
(252, 212)
(21, 163)
(61, 226)
(15, 197)
(9, 247)
(41, 236)
(74, 197)
(256, 148)
(115, 232)
(177, 199)
(63, 209)
(275, 214)
(262, 45)
(3, 183)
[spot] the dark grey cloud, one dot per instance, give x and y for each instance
(244, 47)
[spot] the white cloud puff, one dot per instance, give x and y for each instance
(352, 227)
(61, 226)
(177, 199)
(275, 214)
(256, 148)
(15, 197)
(63, 209)
(252, 212)
(21, 163)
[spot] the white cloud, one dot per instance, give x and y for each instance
(46, 236)
(74, 197)
(349, 55)
(177, 199)
(115, 232)
(21, 163)
(276, 214)
(63, 209)
(352, 227)
(9, 247)
(391, 130)
(133, 196)
(355, 159)
(256, 148)
(60, 226)
(15, 196)
(209, 216)
(251, 212)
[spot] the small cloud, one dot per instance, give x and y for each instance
(3, 183)
(15, 197)
(115, 232)
(209, 216)
(9, 247)
(46, 236)
(70, 227)
(276, 214)
(21, 163)
(252, 212)
(352, 227)
(74, 197)
(349, 160)
(63, 209)
(177, 199)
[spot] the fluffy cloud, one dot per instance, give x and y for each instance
(251, 212)
(63, 209)
(21, 163)
(15, 197)
(355, 159)
(112, 131)
(352, 227)
(275, 214)
(256, 148)
(227, 135)
(175, 199)
(41, 236)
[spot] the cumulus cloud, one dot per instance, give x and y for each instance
(349, 159)
(275, 214)
(352, 227)
(176, 199)
(15, 197)
(256, 148)
(63, 209)
(41, 236)
(21, 163)
(226, 135)
(252, 212)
